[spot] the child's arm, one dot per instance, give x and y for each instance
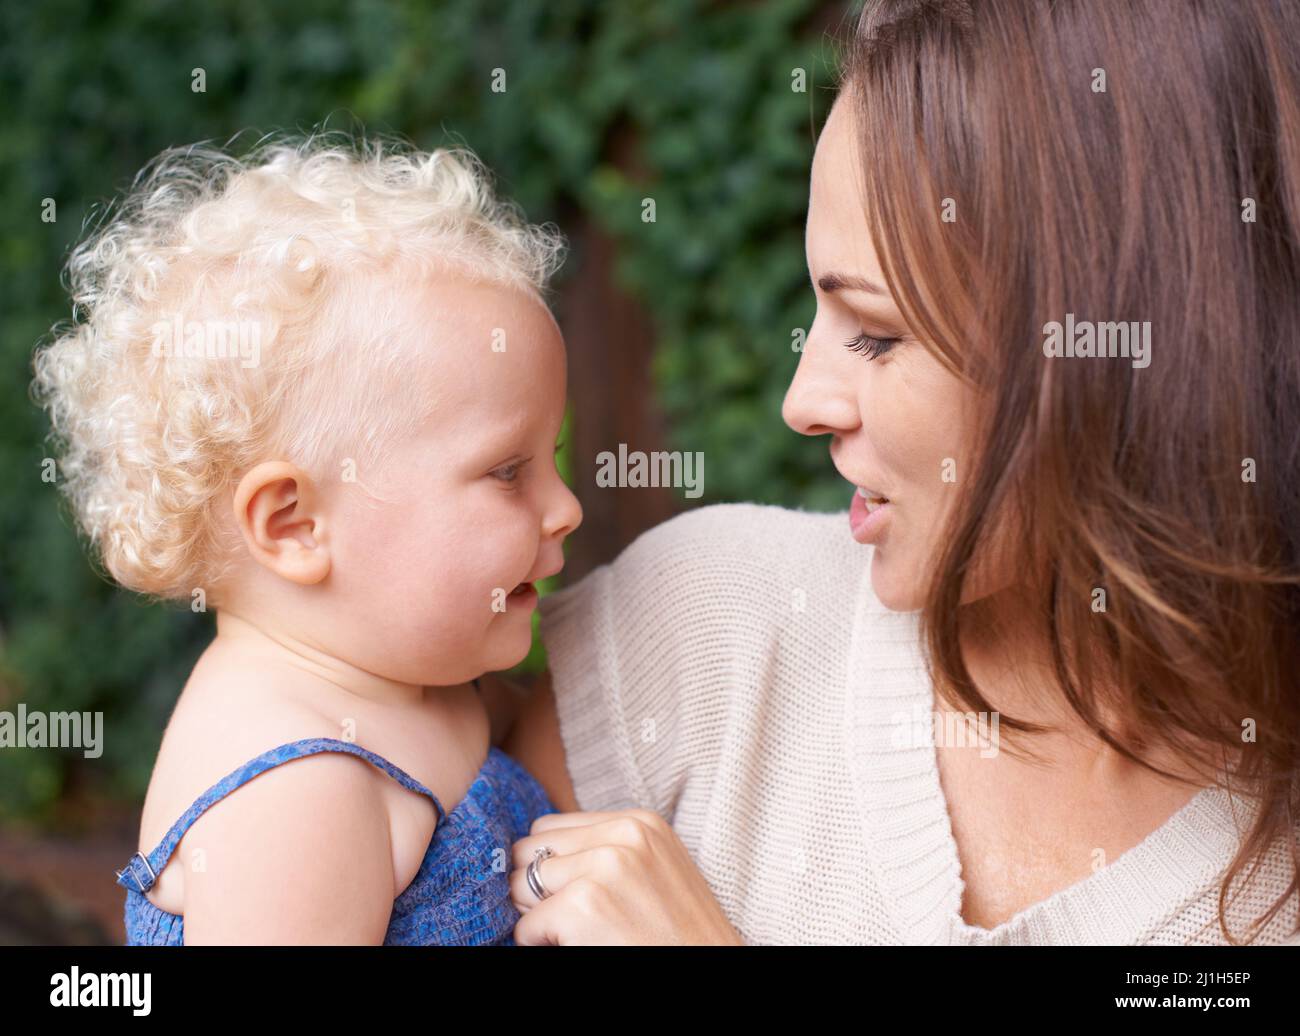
(301, 854)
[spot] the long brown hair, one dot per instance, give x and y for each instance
(1138, 161)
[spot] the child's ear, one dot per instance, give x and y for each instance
(278, 512)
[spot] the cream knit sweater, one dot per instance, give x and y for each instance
(733, 670)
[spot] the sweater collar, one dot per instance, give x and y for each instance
(911, 847)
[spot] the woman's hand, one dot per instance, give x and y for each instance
(621, 878)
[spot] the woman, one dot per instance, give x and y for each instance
(1056, 251)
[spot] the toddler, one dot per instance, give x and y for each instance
(317, 390)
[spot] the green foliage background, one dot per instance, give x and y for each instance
(722, 143)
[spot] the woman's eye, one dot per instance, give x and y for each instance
(870, 346)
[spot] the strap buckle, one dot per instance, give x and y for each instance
(153, 878)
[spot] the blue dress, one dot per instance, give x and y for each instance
(459, 897)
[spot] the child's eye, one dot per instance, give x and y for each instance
(870, 346)
(510, 472)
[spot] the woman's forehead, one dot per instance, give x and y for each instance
(838, 237)
(835, 161)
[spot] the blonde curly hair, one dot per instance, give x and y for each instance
(281, 240)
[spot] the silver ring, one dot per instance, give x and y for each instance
(532, 874)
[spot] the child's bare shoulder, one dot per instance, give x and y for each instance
(299, 854)
(310, 815)
(217, 726)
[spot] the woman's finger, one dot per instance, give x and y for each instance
(554, 872)
(580, 819)
(576, 916)
(602, 863)
(563, 841)
(540, 926)
(632, 828)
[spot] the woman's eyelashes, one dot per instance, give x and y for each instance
(870, 346)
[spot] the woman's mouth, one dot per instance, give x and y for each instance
(869, 512)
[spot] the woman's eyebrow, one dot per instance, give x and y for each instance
(833, 282)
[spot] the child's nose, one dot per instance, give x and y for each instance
(565, 515)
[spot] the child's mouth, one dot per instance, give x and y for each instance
(521, 589)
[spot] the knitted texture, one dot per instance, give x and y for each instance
(733, 671)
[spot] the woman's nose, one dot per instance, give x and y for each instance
(821, 397)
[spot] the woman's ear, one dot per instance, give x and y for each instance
(278, 513)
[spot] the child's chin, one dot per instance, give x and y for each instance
(512, 650)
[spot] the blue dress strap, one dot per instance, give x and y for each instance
(141, 872)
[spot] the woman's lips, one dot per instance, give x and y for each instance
(867, 523)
